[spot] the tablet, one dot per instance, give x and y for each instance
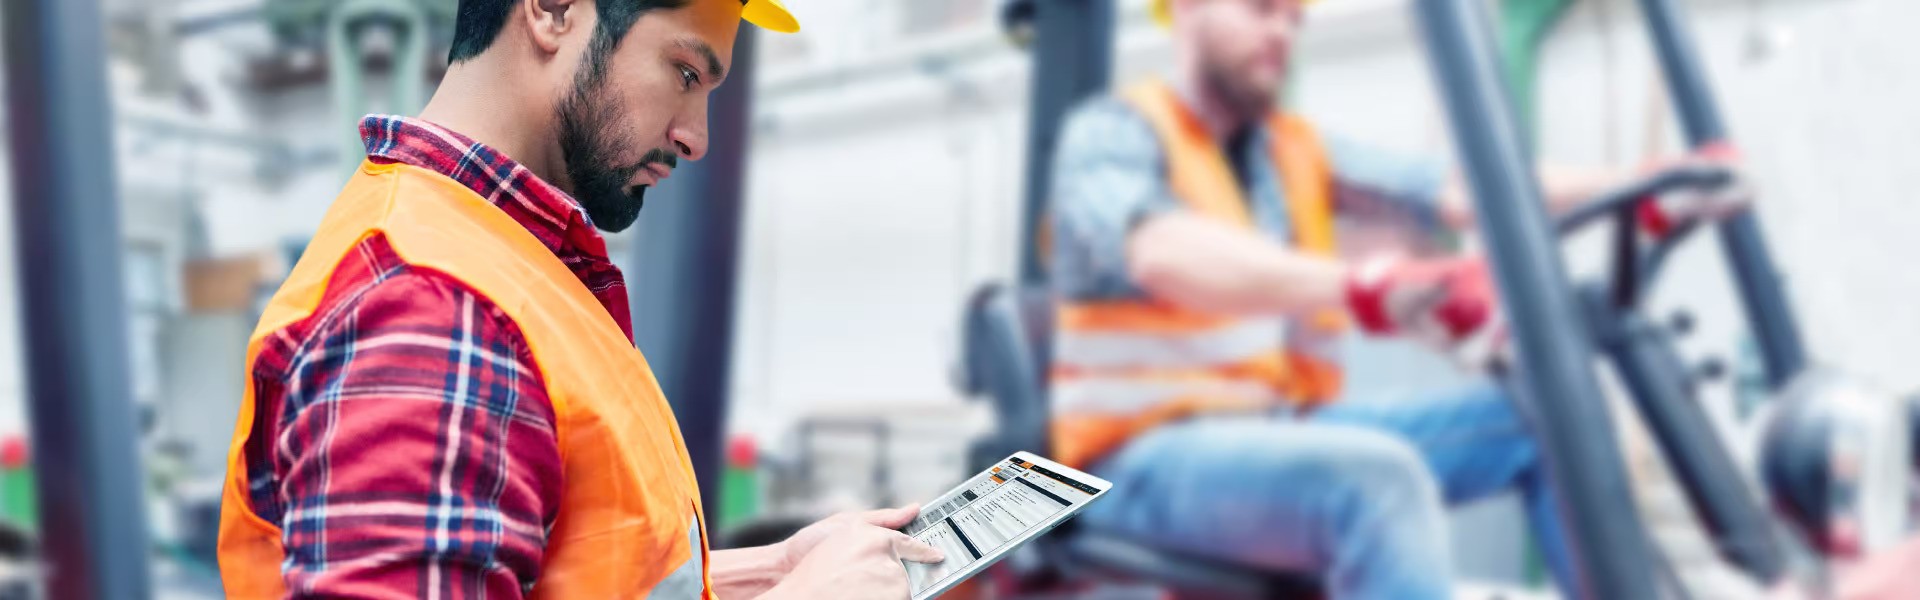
(993, 513)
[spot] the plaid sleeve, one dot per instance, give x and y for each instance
(1108, 176)
(415, 449)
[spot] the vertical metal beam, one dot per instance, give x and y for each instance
(68, 244)
(1686, 78)
(685, 272)
(1072, 59)
(1555, 375)
(1761, 291)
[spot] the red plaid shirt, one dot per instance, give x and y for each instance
(404, 442)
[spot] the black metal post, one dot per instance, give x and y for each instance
(67, 228)
(1765, 298)
(684, 274)
(1555, 375)
(1072, 59)
(1657, 379)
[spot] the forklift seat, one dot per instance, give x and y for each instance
(1005, 351)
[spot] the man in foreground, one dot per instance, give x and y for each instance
(444, 400)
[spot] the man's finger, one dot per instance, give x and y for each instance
(891, 518)
(916, 550)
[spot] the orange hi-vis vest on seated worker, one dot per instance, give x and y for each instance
(629, 524)
(1122, 367)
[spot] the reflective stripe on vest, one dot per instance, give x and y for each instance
(1229, 343)
(1095, 395)
(1120, 367)
(628, 524)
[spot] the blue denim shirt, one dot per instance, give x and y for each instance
(1109, 174)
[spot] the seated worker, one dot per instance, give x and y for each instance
(443, 400)
(1200, 302)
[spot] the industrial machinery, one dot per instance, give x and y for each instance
(1826, 435)
(1836, 457)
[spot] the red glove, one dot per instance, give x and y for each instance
(1446, 301)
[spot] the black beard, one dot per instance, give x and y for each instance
(1248, 105)
(600, 187)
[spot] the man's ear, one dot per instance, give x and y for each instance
(549, 20)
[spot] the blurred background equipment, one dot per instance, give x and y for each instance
(1834, 456)
(93, 529)
(798, 288)
(345, 44)
(1837, 461)
(1072, 48)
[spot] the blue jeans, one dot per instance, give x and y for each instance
(1355, 492)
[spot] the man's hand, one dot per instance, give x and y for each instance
(1660, 217)
(854, 560)
(1449, 303)
(804, 541)
(753, 572)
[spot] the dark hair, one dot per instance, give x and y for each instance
(477, 22)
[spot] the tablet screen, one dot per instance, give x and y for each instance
(993, 509)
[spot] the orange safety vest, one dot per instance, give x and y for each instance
(1122, 367)
(628, 524)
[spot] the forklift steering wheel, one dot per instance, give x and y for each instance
(1644, 232)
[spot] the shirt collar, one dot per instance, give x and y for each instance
(551, 215)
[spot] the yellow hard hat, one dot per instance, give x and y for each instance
(1163, 11)
(770, 15)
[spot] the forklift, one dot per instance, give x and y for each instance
(1836, 458)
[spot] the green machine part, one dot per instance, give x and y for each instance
(18, 504)
(338, 25)
(1524, 25)
(740, 489)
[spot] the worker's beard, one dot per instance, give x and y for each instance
(590, 142)
(1247, 101)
